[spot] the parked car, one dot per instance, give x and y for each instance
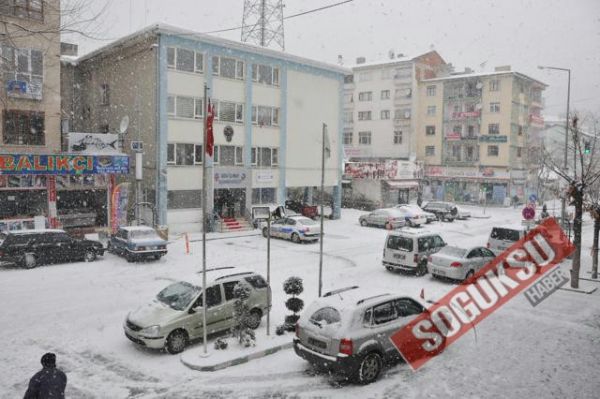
(417, 210)
(442, 210)
(462, 214)
(348, 331)
(408, 250)
(295, 228)
(459, 263)
(30, 248)
(174, 318)
(310, 211)
(137, 242)
(390, 218)
(503, 237)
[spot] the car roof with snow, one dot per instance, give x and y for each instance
(35, 231)
(510, 227)
(409, 231)
(349, 298)
(213, 275)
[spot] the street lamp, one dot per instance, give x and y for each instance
(563, 201)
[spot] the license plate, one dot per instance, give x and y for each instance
(399, 256)
(440, 272)
(317, 343)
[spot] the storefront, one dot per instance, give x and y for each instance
(67, 190)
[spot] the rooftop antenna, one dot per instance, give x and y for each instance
(262, 23)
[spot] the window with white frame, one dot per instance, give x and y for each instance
(364, 115)
(227, 111)
(385, 94)
(348, 117)
(430, 151)
(431, 110)
(23, 72)
(183, 154)
(385, 114)
(397, 136)
(104, 94)
(365, 76)
(494, 128)
(32, 9)
(495, 85)
(493, 150)
(364, 138)
(348, 137)
(226, 67)
(431, 91)
(495, 107)
(348, 98)
(387, 73)
(264, 156)
(365, 96)
(265, 116)
(185, 60)
(265, 74)
(185, 107)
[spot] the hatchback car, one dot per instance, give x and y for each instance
(390, 218)
(174, 318)
(415, 216)
(443, 210)
(30, 248)
(348, 331)
(459, 263)
(137, 242)
(407, 250)
(501, 238)
(295, 228)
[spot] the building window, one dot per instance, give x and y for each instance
(32, 9)
(430, 151)
(431, 110)
(385, 94)
(185, 107)
(494, 128)
(431, 91)
(520, 130)
(265, 74)
(23, 72)
(348, 117)
(457, 129)
(364, 138)
(519, 152)
(104, 128)
(184, 154)
(365, 76)
(263, 195)
(398, 137)
(365, 96)
(265, 116)
(184, 60)
(430, 130)
(385, 114)
(386, 74)
(495, 85)
(230, 68)
(104, 94)
(264, 156)
(229, 112)
(494, 107)
(348, 137)
(24, 128)
(471, 131)
(170, 154)
(493, 150)
(470, 153)
(456, 152)
(364, 115)
(198, 154)
(348, 98)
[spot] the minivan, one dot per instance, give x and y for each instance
(408, 250)
(501, 238)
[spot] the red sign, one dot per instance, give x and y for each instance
(495, 284)
(528, 213)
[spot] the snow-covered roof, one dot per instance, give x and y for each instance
(400, 59)
(484, 74)
(166, 29)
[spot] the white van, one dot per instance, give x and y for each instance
(408, 250)
(501, 238)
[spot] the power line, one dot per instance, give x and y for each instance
(289, 16)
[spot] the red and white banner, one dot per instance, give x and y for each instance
(52, 211)
(468, 304)
(210, 138)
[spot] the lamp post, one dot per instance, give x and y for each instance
(565, 165)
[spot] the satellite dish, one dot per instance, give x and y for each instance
(478, 106)
(479, 85)
(124, 124)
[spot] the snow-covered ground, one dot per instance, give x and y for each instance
(76, 310)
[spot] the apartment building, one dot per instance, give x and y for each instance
(479, 135)
(379, 126)
(270, 110)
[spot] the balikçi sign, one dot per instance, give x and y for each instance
(64, 164)
(525, 262)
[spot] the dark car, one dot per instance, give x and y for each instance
(137, 243)
(30, 248)
(310, 211)
(442, 210)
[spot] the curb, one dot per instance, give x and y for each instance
(239, 360)
(481, 217)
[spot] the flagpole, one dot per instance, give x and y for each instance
(204, 221)
(321, 197)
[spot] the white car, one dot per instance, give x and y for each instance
(429, 217)
(462, 214)
(295, 228)
(458, 263)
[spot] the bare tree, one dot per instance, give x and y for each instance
(584, 175)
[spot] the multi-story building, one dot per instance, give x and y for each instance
(270, 110)
(478, 135)
(379, 125)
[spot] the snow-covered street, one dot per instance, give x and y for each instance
(77, 310)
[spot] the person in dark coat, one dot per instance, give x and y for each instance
(49, 382)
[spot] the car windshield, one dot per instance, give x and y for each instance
(505, 234)
(307, 222)
(178, 295)
(138, 234)
(401, 243)
(453, 251)
(325, 316)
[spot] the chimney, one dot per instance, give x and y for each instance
(503, 68)
(360, 60)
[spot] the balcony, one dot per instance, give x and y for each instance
(464, 115)
(536, 120)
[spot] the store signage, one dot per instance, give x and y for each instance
(492, 138)
(93, 143)
(120, 200)
(452, 136)
(68, 164)
(230, 178)
(466, 172)
(264, 176)
(391, 169)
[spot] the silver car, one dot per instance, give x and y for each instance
(390, 218)
(348, 331)
(295, 228)
(458, 263)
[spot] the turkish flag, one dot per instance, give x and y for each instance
(210, 138)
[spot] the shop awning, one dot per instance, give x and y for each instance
(402, 184)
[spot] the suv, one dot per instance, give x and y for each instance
(29, 248)
(348, 331)
(408, 250)
(503, 237)
(174, 317)
(137, 242)
(443, 210)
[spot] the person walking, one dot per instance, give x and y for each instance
(49, 382)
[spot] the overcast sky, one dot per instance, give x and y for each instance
(520, 33)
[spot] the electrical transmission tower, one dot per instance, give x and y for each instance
(262, 23)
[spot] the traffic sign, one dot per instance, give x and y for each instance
(533, 198)
(528, 213)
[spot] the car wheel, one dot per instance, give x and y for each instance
(389, 268)
(296, 238)
(30, 261)
(130, 258)
(89, 255)
(157, 257)
(468, 276)
(254, 319)
(176, 342)
(109, 247)
(265, 232)
(364, 223)
(370, 367)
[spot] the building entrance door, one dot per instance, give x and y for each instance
(230, 202)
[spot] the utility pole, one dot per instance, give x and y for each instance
(262, 23)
